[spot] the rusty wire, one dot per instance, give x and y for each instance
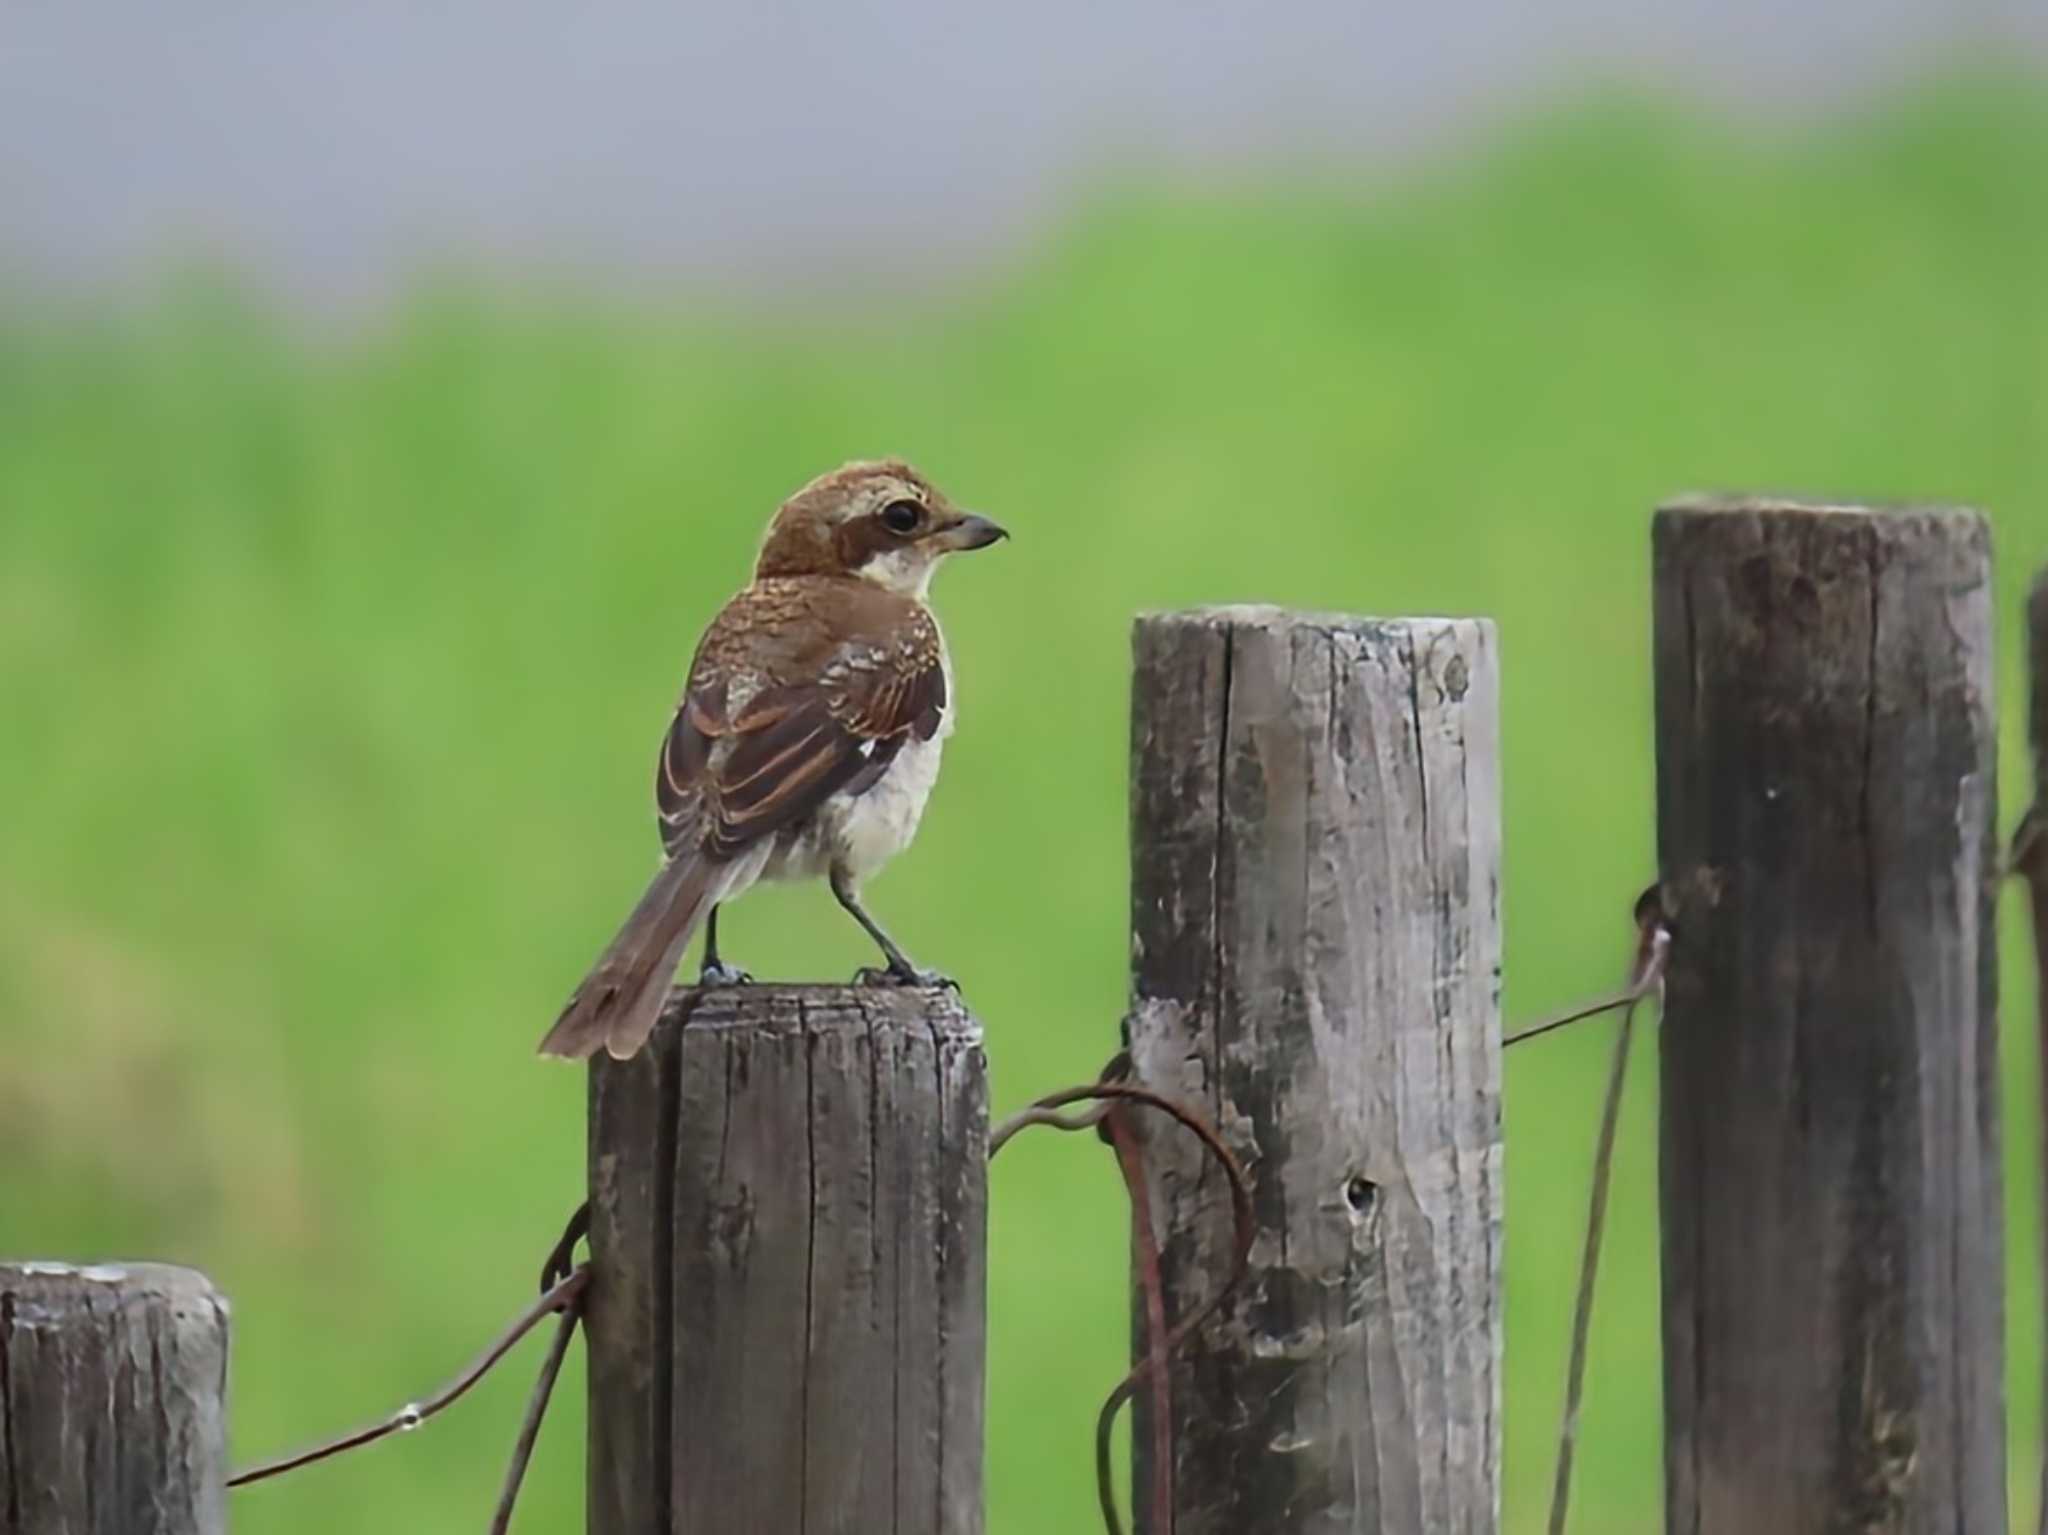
(562, 1256)
(563, 1281)
(1645, 978)
(1646, 972)
(1108, 1097)
(529, 1426)
(1024, 1119)
(560, 1294)
(1111, 1094)
(1122, 1135)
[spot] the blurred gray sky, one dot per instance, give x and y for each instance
(331, 148)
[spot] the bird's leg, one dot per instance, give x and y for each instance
(900, 971)
(716, 972)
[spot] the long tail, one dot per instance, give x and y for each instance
(620, 999)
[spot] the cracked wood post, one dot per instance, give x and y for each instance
(1833, 1329)
(113, 1387)
(787, 1314)
(1316, 950)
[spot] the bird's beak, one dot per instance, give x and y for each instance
(972, 532)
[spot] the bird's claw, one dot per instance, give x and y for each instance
(723, 975)
(889, 975)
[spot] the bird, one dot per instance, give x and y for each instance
(806, 742)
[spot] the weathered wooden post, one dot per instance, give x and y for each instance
(2031, 858)
(787, 1313)
(1833, 1331)
(1316, 945)
(113, 1385)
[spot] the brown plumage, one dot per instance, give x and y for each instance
(806, 740)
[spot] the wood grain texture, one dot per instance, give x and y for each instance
(1316, 952)
(2031, 860)
(1833, 1330)
(795, 1258)
(113, 1388)
(627, 1315)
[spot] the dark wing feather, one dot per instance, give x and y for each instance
(774, 778)
(727, 781)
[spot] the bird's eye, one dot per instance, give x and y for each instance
(902, 516)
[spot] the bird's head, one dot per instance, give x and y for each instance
(881, 521)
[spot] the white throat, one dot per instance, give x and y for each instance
(907, 572)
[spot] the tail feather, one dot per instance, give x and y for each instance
(616, 1006)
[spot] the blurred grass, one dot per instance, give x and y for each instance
(332, 673)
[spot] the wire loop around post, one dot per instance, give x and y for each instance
(1111, 1094)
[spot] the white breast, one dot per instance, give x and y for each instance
(862, 832)
(865, 831)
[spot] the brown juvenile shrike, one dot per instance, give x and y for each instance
(807, 740)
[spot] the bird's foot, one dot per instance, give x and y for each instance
(719, 974)
(907, 975)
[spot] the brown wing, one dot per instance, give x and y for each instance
(731, 776)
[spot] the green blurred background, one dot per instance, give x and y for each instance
(333, 666)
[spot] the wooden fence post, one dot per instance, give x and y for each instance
(787, 1314)
(1833, 1328)
(113, 1384)
(2031, 861)
(1316, 947)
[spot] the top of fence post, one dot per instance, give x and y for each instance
(787, 1315)
(113, 1385)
